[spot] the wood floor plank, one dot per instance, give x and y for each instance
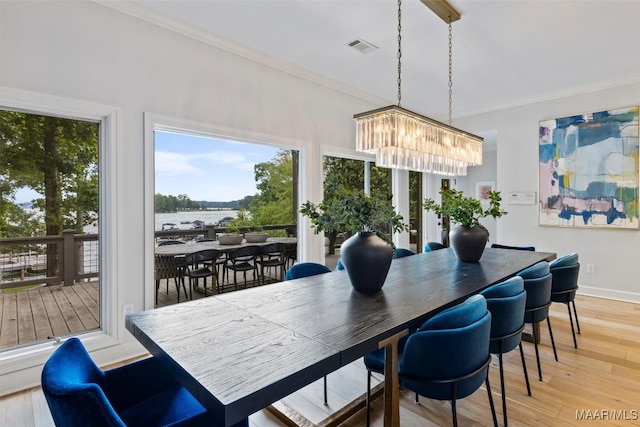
(54, 313)
(9, 327)
(41, 322)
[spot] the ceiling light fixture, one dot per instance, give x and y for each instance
(402, 139)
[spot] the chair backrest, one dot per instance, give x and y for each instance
(201, 256)
(506, 301)
(272, 248)
(71, 383)
(402, 252)
(519, 248)
(305, 269)
(171, 242)
(450, 345)
(291, 232)
(564, 283)
(244, 252)
(537, 284)
(433, 246)
(339, 265)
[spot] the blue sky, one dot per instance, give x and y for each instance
(206, 168)
(202, 168)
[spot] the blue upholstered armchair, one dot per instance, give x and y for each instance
(448, 357)
(537, 283)
(564, 284)
(138, 394)
(305, 269)
(433, 246)
(506, 302)
(402, 252)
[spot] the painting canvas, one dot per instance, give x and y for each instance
(482, 191)
(589, 170)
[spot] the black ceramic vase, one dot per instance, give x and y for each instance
(367, 258)
(468, 243)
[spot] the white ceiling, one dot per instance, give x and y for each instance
(505, 52)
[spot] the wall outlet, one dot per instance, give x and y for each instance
(591, 268)
(126, 309)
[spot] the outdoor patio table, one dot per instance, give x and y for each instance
(240, 352)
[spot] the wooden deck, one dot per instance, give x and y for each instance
(46, 312)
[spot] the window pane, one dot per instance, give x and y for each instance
(48, 227)
(207, 187)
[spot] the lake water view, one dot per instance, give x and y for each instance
(184, 220)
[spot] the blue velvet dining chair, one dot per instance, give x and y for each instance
(564, 284)
(433, 246)
(339, 265)
(448, 357)
(142, 393)
(518, 248)
(537, 284)
(506, 302)
(306, 269)
(402, 252)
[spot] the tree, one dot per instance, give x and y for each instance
(57, 158)
(274, 181)
(342, 176)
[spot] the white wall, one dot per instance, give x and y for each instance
(615, 253)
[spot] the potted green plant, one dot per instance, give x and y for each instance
(368, 253)
(470, 237)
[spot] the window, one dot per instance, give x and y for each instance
(20, 364)
(206, 186)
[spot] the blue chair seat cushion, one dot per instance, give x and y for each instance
(166, 408)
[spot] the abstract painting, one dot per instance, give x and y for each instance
(589, 170)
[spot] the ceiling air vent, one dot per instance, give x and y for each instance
(362, 46)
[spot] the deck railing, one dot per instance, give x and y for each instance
(70, 258)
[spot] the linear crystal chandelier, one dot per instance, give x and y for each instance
(402, 139)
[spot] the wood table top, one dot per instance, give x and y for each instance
(241, 351)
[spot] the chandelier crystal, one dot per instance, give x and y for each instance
(402, 139)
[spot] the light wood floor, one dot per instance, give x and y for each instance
(598, 382)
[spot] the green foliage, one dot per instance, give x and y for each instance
(356, 212)
(168, 204)
(56, 157)
(274, 181)
(465, 210)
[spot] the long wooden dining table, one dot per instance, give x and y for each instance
(239, 352)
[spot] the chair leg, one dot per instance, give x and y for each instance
(157, 286)
(493, 408)
(524, 368)
(573, 332)
(535, 345)
(368, 401)
(575, 314)
(502, 388)
(454, 412)
(326, 401)
(553, 343)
